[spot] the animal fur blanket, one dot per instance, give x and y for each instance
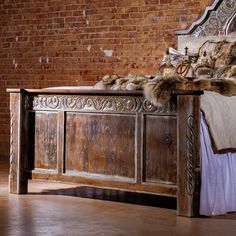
(220, 115)
(155, 90)
(222, 59)
(119, 82)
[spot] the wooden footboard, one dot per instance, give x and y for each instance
(114, 139)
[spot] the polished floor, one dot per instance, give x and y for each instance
(67, 209)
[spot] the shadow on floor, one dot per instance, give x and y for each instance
(103, 194)
(116, 196)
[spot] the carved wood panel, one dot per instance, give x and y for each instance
(14, 116)
(99, 104)
(190, 162)
(18, 144)
(100, 144)
(188, 155)
(214, 21)
(160, 149)
(45, 149)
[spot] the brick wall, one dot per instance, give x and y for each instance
(75, 42)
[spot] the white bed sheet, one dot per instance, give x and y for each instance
(218, 175)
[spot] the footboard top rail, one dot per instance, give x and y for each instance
(95, 100)
(98, 92)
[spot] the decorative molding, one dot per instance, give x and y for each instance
(214, 20)
(190, 166)
(98, 103)
(231, 23)
(11, 175)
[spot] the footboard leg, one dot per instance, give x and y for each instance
(188, 176)
(18, 179)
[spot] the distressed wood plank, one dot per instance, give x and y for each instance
(188, 155)
(45, 150)
(160, 149)
(18, 179)
(102, 144)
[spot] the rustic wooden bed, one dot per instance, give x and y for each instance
(107, 139)
(115, 139)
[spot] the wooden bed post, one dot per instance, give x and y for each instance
(18, 179)
(188, 172)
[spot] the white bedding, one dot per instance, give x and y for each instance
(220, 115)
(218, 175)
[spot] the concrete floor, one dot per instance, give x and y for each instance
(47, 211)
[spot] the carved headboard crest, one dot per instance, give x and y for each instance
(218, 19)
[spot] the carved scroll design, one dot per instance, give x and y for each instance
(99, 103)
(190, 170)
(214, 21)
(231, 27)
(217, 20)
(11, 144)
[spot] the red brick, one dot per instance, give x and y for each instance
(137, 31)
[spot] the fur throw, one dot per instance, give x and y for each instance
(219, 54)
(158, 90)
(118, 82)
(221, 58)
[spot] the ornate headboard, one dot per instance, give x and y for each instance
(218, 23)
